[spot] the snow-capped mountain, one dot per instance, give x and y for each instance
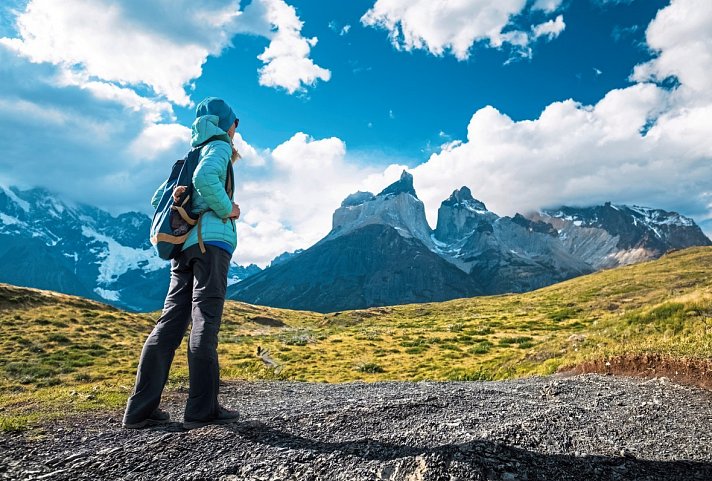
(78, 249)
(382, 251)
(504, 254)
(611, 235)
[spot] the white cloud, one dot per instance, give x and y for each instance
(551, 28)
(286, 58)
(456, 26)
(681, 34)
(157, 139)
(112, 47)
(101, 40)
(293, 207)
(547, 6)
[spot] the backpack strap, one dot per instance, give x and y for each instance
(183, 213)
(201, 244)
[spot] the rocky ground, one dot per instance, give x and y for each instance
(575, 428)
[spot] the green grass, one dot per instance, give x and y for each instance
(62, 354)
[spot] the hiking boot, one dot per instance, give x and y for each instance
(157, 418)
(224, 416)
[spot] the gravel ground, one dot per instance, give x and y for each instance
(576, 428)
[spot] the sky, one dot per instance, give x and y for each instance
(530, 103)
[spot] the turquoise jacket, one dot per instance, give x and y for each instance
(209, 184)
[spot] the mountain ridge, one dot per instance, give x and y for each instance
(498, 254)
(81, 249)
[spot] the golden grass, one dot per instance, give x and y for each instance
(61, 354)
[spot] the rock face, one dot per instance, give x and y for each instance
(537, 429)
(460, 215)
(397, 206)
(612, 235)
(355, 267)
(374, 265)
(502, 254)
(78, 249)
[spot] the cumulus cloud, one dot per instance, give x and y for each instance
(681, 34)
(292, 208)
(550, 29)
(113, 47)
(103, 152)
(99, 39)
(547, 6)
(286, 59)
(455, 27)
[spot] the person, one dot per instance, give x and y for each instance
(198, 285)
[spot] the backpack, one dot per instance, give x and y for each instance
(173, 221)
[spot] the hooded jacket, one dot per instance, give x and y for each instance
(209, 180)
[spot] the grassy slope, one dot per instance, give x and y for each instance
(61, 354)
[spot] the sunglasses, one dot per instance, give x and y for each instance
(237, 122)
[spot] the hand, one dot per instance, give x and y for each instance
(177, 192)
(235, 155)
(235, 214)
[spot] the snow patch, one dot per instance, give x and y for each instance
(9, 220)
(23, 204)
(117, 259)
(107, 294)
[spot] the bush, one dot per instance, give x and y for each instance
(59, 338)
(508, 341)
(563, 314)
(370, 368)
(480, 348)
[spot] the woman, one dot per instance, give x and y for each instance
(198, 284)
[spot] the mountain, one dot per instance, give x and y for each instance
(378, 252)
(79, 249)
(611, 235)
(397, 206)
(503, 254)
(381, 250)
(374, 265)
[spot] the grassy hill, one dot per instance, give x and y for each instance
(61, 354)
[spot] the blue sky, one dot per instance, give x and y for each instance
(531, 103)
(426, 94)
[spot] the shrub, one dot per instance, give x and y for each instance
(59, 338)
(370, 368)
(563, 314)
(508, 341)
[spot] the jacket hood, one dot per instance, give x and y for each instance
(206, 128)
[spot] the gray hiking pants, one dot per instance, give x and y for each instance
(197, 293)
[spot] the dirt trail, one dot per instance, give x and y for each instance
(586, 427)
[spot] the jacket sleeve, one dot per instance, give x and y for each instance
(207, 177)
(158, 194)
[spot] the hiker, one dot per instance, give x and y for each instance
(198, 283)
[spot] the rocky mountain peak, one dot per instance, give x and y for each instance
(357, 198)
(404, 185)
(460, 215)
(535, 225)
(463, 197)
(405, 213)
